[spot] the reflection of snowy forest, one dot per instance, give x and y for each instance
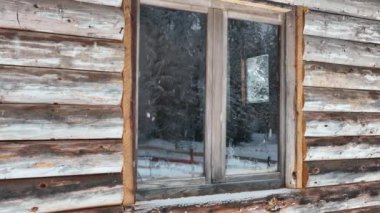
(172, 96)
(248, 123)
(172, 85)
(172, 74)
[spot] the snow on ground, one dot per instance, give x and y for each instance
(160, 169)
(237, 166)
(160, 158)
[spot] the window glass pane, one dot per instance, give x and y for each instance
(171, 96)
(253, 97)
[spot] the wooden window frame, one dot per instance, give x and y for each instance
(215, 180)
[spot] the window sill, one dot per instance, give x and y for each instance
(198, 187)
(145, 206)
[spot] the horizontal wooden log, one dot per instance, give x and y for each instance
(370, 209)
(63, 17)
(338, 148)
(341, 100)
(342, 27)
(45, 122)
(335, 172)
(341, 52)
(59, 158)
(114, 3)
(359, 8)
(340, 76)
(318, 199)
(41, 85)
(54, 51)
(60, 194)
(337, 198)
(342, 124)
(262, 9)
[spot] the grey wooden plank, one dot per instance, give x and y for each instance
(339, 148)
(219, 98)
(114, 3)
(290, 114)
(44, 85)
(341, 100)
(60, 193)
(209, 97)
(63, 17)
(54, 51)
(324, 124)
(32, 159)
(342, 27)
(359, 8)
(335, 172)
(45, 122)
(340, 76)
(341, 52)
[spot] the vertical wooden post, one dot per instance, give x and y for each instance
(209, 95)
(219, 97)
(290, 102)
(301, 173)
(128, 102)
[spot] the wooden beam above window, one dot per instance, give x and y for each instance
(229, 5)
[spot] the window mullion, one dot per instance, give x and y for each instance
(209, 95)
(219, 95)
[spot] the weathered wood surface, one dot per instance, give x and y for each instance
(371, 209)
(341, 52)
(60, 194)
(300, 117)
(291, 97)
(214, 199)
(335, 172)
(218, 100)
(42, 85)
(29, 159)
(335, 148)
(106, 209)
(45, 122)
(261, 9)
(114, 3)
(360, 8)
(341, 100)
(195, 189)
(130, 111)
(63, 17)
(342, 27)
(313, 200)
(342, 124)
(54, 51)
(340, 76)
(337, 198)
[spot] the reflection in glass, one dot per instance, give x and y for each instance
(253, 97)
(258, 79)
(171, 94)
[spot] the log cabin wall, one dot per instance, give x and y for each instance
(61, 123)
(342, 98)
(61, 87)
(339, 161)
